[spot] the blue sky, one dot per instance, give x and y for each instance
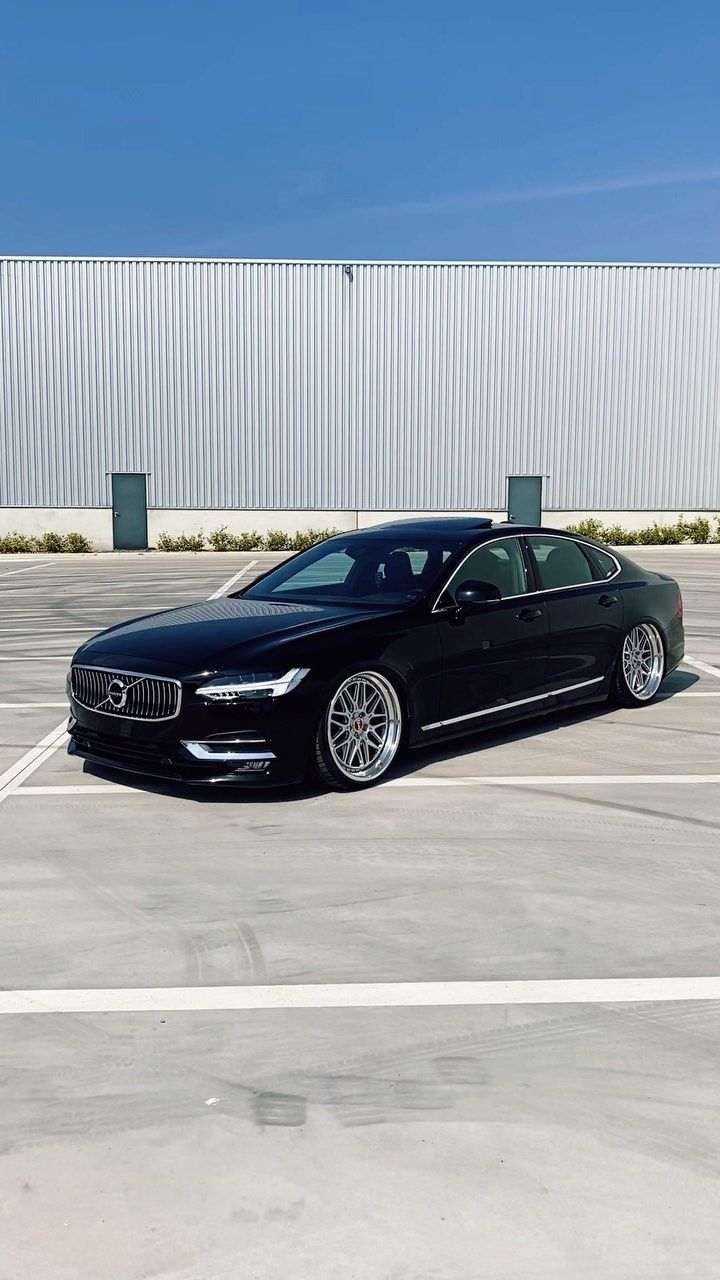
(361, 130)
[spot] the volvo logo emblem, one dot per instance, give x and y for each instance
(117, 693)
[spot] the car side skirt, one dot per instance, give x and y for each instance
(538, 704)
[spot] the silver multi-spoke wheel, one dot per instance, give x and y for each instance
(364, 726)
(643, 661)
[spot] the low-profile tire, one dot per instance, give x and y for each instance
(640, 668)
(360, 731)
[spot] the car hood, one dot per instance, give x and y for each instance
(205, 636)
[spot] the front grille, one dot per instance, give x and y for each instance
(130, 695)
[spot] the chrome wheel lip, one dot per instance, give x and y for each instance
(364, 726)
(643, 661)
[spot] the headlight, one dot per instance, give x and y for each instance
(252, 684)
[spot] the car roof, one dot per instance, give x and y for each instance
(431, 526)
(464, 528)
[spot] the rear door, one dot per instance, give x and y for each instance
(493, 656)
(584, 611)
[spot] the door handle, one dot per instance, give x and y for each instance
(528, 615)
(607, 601)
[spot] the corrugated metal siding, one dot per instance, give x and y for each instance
(273, 385)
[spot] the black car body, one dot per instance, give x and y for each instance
(466, 623)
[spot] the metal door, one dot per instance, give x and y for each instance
(524, 498)
(129, 511)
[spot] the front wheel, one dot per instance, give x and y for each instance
(641, 666)
(360, 731)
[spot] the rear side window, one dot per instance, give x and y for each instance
(560, 562)
(606, 566)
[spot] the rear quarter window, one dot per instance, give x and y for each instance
(605, 564)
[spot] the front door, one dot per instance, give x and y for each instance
(129, 511)
(493, 654)
(584, 612)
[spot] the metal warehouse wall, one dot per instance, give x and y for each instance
(250, 384)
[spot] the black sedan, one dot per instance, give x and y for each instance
(401, 635)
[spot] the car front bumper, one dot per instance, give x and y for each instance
(253, 744)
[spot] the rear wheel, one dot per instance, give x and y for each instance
(360, 731)
(641, 666)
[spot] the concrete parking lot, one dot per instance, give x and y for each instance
(463, 1026)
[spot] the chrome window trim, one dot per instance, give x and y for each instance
(120, 671)
(542, 591)
(506, 706)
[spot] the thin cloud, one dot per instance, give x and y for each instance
(562, 191)
(227, 241)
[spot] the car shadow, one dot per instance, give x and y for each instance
(522, 730)
(207, 792)
(411, 762)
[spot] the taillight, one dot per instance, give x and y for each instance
(679, 605)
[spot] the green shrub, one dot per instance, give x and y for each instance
(183, 542)
(221, 540)
(589, 529)
(47, 543)
(77, 542)
(252, 541)
(698, 530)
(50, 542)
(276, 540)
(310, 538)
(14, 541)
(654, 535)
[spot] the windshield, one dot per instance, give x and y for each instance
(358, 570)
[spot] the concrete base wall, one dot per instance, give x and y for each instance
(96, 522)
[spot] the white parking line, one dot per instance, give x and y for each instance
(85, 609)
(11, 779)
(231, 581)
(55, 629)
(27, 569)
(27, 706)
(104, 788)
(48, 657)
(691, 693)
(432, 780)
(560, 780)
(361, 995)
(702, 666)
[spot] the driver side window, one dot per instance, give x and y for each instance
(500, 563)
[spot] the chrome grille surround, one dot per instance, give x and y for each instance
(146, 697)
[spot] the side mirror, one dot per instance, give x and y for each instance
(471, 593)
